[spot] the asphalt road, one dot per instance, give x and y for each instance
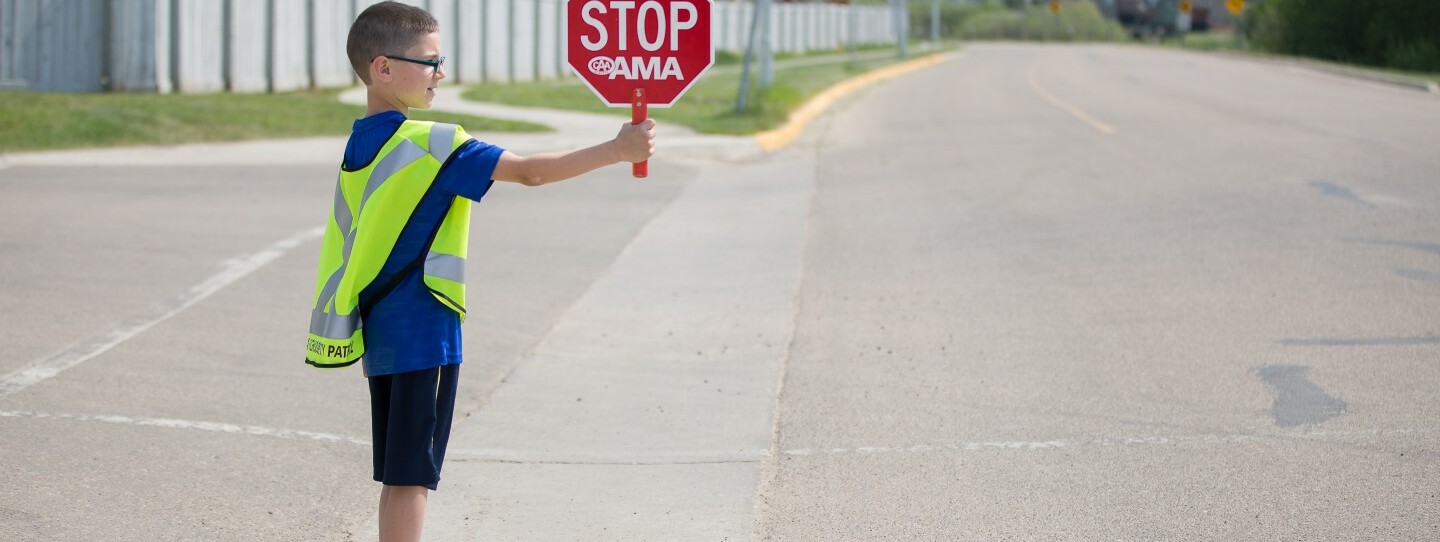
(1034, 292)
(1117, 293)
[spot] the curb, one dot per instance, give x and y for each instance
(779, 138)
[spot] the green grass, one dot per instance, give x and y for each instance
(31, 121)
(1077, 21)
(1224, 40)
(1214, 40)
(709, 105)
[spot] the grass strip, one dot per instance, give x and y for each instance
(709, 105)
(1226, 41)
(33, 121)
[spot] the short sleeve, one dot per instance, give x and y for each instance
(470, 170)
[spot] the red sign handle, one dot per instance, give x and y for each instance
(638, 114)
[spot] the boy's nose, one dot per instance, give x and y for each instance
(440, 72)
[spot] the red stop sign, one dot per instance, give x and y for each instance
(618, 46)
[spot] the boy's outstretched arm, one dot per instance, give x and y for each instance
(634, 143)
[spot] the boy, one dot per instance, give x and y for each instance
(390, 290)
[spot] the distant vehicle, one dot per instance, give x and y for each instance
(1200, 15)
(1132, 13)
(1162, 18)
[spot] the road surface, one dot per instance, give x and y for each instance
(1034, 292)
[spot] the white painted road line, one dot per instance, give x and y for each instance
(561, 457)
(168, 423)
(236, 269)
(590, 457)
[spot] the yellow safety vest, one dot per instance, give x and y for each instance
(372, 205)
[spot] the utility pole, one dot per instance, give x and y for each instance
(902, 25)
(935, 21)
(851, 20)
(759, 32)
(765, 12)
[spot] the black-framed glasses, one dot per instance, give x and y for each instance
(433, 63)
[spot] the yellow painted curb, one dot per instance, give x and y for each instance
(779, 138)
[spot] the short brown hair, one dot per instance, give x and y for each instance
(387, 28)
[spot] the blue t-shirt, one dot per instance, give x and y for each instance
(408, 329)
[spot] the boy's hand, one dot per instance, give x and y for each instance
(635, 142)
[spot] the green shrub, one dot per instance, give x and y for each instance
(952, 17)
(1078, 20)
(1403, 34)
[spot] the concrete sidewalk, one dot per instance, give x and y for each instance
(647, 411)
(574, 129)
(571, 130)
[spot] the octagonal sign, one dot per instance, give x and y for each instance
(619, 46)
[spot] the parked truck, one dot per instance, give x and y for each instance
(1161, 18)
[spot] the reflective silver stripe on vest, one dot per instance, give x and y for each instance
(338, 326)
(342, 210)
(343, 221)
(404, 154)
(334, 326)
(445, 266)
(442, 141)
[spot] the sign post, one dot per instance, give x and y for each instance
(638, 113)
(638, 53)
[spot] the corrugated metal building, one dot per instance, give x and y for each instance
(281, 45)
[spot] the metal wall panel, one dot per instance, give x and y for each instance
(198, 57)
(794, 29)
(75, 50)
(469, 63)
(723, 32)
(836, 32)
(132, 55)
(548, 39)
(444, 13)
(719, 24)
(522, 39)
(52, 45)
(826, 39)
(772, 28)
(247, 58)
(744, 14)
(289, 45)
(810, 27)
(497, 40)
(164, 44)
(863, 27)
(32, 28)
(834, 17)
(11, 50)
(254, 45)
(330, 27)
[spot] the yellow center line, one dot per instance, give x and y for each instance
(1066, 107)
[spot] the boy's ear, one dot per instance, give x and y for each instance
(380, 69)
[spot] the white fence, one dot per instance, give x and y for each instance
(279, 45)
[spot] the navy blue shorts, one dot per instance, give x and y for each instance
(410, 416)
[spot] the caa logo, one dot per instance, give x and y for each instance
(602, 65)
